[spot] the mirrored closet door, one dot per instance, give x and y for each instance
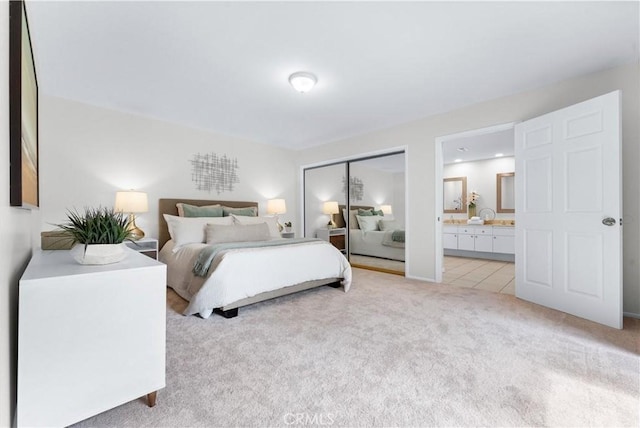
(358, 206)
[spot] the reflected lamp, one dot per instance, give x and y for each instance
(330, 208)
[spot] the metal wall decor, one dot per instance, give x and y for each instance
(356, 188)
(212, 172)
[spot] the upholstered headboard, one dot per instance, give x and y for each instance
(339, 219)
(168, 206)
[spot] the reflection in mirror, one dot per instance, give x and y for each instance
(377, 201)
(455, 195)
(322, 184)
(505, 185)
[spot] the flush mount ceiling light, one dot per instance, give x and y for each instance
(499, 155)
(302, 81)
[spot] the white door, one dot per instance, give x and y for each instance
(568, 207)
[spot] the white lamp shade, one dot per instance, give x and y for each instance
(276, 206)
(386, 209)
(131, 202)
(302, 81)
(330, 207)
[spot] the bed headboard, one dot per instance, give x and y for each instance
(168, 206)
(339, 219)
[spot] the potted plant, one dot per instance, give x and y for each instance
(288, 226)
(98, 235)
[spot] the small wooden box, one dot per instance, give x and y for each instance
(56, 240)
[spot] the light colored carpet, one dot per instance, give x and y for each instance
(392, 352)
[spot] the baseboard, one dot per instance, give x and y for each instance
(631, 315)
(420, 278)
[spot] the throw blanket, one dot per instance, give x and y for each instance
(393, 238)
(397, 236)
(206, 256)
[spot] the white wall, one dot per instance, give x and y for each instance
(419, 137)
(481, 177)
(88, 153)
(16, 231)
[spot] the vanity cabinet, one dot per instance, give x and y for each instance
(450, 237)
(504, 240)
(484, 239)
(473, 238)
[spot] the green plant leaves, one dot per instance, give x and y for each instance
(97, 226)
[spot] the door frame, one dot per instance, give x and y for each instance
(439, 168)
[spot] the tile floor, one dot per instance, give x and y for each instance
(489, 275)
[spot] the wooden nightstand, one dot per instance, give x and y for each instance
(335, 236)
(146, 246)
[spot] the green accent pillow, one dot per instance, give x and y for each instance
(247, 212)
(195, 211)
(369, 212)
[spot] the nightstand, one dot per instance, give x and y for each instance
(335, 236)
(288, 234)
(99, 345)
(146, 246)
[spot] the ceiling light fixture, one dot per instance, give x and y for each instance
(458, 160)
(499, 155)
(302, 81)
(463, 149)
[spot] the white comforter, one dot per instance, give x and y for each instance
(370, 243)
(242, 273)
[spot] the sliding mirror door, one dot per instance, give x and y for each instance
(323, 195)
(376, 188)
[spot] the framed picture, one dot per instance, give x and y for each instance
(23, 111)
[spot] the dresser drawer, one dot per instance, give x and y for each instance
(474, 230)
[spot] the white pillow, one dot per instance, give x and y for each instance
(272, 222)
(217, 234)
(368, 222)
(190, 230)
(388, 225)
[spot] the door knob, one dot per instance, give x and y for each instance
(609, 221)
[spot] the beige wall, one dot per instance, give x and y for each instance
(16, 227)
(419, 137)
(88, 153)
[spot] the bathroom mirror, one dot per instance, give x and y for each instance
(455, 195)
(505, 186)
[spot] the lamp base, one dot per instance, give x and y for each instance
(135, 233)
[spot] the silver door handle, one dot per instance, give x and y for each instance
(609, 221)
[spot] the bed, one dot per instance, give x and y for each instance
(247, 274)
(386, 244)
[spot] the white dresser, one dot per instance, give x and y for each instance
(482, 241)
(90, 338)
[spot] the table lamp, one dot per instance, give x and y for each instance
(330, 208)
(275, 207)
(132, 202)
(386, 209)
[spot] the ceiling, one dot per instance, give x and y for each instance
(479, 147)
(223, 66)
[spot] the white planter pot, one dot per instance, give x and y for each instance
(98, 254)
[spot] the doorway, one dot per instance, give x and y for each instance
(471, 171)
